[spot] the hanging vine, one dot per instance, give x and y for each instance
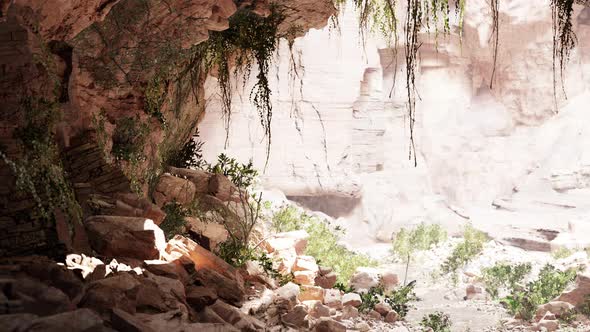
(250, 39)
(413, 24)
(494, 6)
(564, 40)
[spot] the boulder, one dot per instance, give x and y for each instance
(579, 292)
(316, 309)
(473, 292)
(389, 280)
(326, 281)
(326, 324)
(221, 187)
(172, 320)
(383, 308)
(16, 322)
(236, 318)
(75, 321)
(259, 304)
(296, 318)
(305, 263)
(167, 269)
(287, 259)
(349, 312)
(50, 273)
(173, 189)
(352, 299)
(364, 278)
(84, 263)
(286, 296)
(118, 291)
(311, 293)
(198, 177)
(115, 236)
(391, 317)
(287, 240)
(123, 321)
(375, 315)
(202, 258)
(131, 205)
(215, 232)
(333, 298)
(230, 290)
(40, 299)
(304, 277)
(199, 297)
(555, 307)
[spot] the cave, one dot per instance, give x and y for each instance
(294, 165)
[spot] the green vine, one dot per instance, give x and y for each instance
(564, 39)
(250, 39)
(39, 171)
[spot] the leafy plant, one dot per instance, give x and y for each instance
(549, 284)
(466, 251)
(268, 266)
(39, 171)
(504, 275)
(174, 223)
(249, 39)
(437, 322)
(562, 253)
(343, 288)
(129, 139)
(400, 298)
(235, 252)
(189, 156)
(423, 237)
(371, 298)
(288, 218)
(322, 243)
(242, 175)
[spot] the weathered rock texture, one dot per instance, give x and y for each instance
(488, 155)
(108, 63)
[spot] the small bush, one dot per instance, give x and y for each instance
(423, 237)
(242, 175)
(174, 223)
(287, 219)
(370, 299)
(438, 322)
(189, 156)
(466, 251)
(400, 299)
(549, 284)
(322, 243)
(129, 139)
(561, 253)
(505, 276)
(343, 288)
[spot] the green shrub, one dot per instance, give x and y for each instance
(322, 243)
(549, 284)
(174, 223)
(129, 139)
(189, 156)
(584, 308)
(438, 322)
(506, 276)
(423, 237)
(343, 288)
(400, 299)
(242, 175)
(561, 253)
(370, 299)
(288, 218)
(466, 251)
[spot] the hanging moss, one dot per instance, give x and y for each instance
(494, 6)
(250, 39)
(564, 39)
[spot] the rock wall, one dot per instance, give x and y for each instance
(106, 66)
(347, 133)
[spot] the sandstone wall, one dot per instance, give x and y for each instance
(347, 135)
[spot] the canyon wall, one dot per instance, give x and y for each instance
(501, 157)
